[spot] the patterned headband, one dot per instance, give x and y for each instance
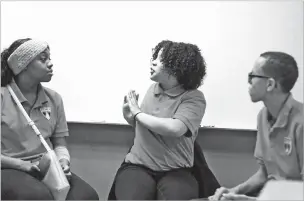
(24, 54)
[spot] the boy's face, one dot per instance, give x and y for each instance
(258, 81)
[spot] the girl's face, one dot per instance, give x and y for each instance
(40, 69)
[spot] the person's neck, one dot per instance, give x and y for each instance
(275, 103)
(26, 86)
(168, 85)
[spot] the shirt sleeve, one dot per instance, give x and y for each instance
(299, 147)
(61, 128)
(258, 145)
(191, 110)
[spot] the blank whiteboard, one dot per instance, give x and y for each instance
(101, 50)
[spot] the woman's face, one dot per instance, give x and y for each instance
(158, 72)
(40, 69)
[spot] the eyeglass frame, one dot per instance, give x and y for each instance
(251, 75)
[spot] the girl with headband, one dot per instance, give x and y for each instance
(159, 164)
(24, 65)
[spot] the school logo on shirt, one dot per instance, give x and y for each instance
(287, 145)
(46, 111)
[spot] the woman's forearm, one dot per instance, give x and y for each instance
(162, 126)
(58, 141)
(60, 148)
(9, 162)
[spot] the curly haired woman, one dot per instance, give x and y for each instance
(159, 163)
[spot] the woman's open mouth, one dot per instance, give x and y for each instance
(152, 71)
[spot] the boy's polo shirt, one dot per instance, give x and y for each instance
(18, 139)
(159, 152)
(280, 147)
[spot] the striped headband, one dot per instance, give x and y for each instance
(24, 54)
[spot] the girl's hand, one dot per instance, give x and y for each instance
(28, 167)
(233, 196)
(133, 104)
(65, 164)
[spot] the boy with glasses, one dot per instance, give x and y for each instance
(279, 145)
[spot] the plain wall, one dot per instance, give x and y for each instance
(106, 50)
(98, 149)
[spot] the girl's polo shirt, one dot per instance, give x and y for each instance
(18, 139)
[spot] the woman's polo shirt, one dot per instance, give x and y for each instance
(18, 139)
(161, 153)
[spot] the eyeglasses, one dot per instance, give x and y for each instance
(251, 75)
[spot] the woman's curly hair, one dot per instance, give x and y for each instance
(184, 61)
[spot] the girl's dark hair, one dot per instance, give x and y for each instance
(6, 73)
(184, 61)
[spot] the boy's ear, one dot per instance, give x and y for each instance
(271, 84)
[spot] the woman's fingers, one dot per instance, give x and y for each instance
(232, 196)
(66, 169)
(35, 168)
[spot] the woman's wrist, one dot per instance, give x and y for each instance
(65, 161)
(62, 153)
(136, 115)
(237, 189)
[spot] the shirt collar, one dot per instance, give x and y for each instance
(41, 99)
(175, 91)
(282, 118)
